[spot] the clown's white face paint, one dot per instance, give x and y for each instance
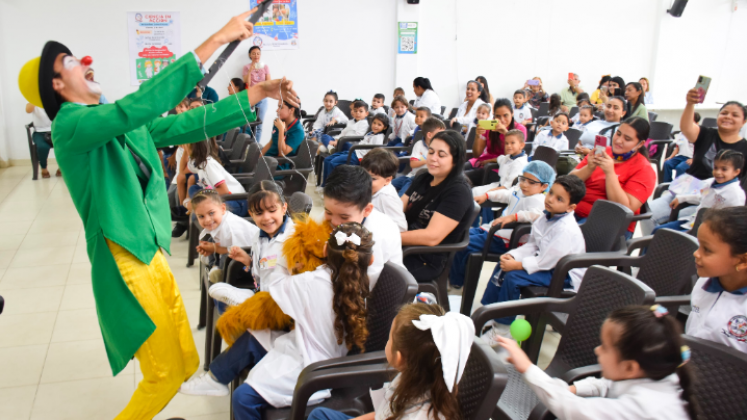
(70, 62)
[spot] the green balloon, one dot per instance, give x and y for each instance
(521, 329)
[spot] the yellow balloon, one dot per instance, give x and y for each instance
(28, 82)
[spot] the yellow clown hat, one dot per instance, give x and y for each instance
(35, 79)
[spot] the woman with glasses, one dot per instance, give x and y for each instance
(621, 172)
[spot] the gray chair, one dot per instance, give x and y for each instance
(547, 155)
(301, 166)
(344, 106)
(544, 110)
(661, 136)
(238, 147)
(652, 116)
(470, 141)
(443, 109)
(573, 135)
(229, 138)
(299, 202)
(246, 159)
(709, 123)
(602, 291)
(573, 112)
(32, 150)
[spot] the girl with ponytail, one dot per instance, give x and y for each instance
(644, 371)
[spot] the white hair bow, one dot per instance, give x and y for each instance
(453, 334)
(342, 238)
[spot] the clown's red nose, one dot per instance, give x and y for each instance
(86, 61)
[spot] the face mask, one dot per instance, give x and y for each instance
(623, 157)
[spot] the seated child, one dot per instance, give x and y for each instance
(723, 190)
(553, 236)
(356, 127)
(330, 115)
(382, 165)
(585, 116)
(377, 104)
(379, 126)
(554, 137)
(522, 110)
(204, 162)
(582, 100)
(430, 127)
(525, 205)
(397, 92)
(719, 298)
(681, 157)
(421, 114)
(423, 389)
(481, 114)
(403, 122)
(644, 371)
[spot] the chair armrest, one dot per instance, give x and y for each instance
(235, 197)
(569, 262)
(438, 249)
(290, 172)
(660, 142)
(673, 301)
(581, 373)
(638, 243)
(282, 159)
(348, 361)
(518, 307)
(660, 189)
(491, 234)
(490, 166)
(675, 213)
(642, 216)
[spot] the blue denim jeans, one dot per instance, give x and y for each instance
(477, 238)
(261, 108)
(333, 161)
(237, 207)
(677, 163)
(402, 184)
(321, 413)
(510, 289)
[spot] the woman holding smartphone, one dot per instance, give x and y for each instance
(620, 172)
(538, 94)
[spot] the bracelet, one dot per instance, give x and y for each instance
(487, 197)
(517, 216)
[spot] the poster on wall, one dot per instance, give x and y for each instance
(278, 28)
(155, 43)
(407, 34)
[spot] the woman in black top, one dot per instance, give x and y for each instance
(436, 203)
(709, 141)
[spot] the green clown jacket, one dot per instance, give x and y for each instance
(91, 145)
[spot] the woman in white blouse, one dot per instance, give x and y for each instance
(475, 97)
(425, 95)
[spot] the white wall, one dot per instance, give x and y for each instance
(350, 46)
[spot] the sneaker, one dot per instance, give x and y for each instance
(322, 148)
(230, 295)
(494, 330)
(204, 385)
(178, 230)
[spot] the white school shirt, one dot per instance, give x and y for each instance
(325, 117)
(420, 409)
(212, 174)
(307, 298)
(522, 114)
(41, 121)
(527, 209)
(233, 231)
(550, 241)
(402, 126)
(387, 244)
(578, 125)
(639, 399)
(592, 129)
(420, 154)
(179, 154)
(354, 128)
(430, 100)
(370, 138)
(545, 138)
(387, 201)
(379, 110)
(718, 315)
(267, 254)
(465, 118)
(509, 169)
(684, 147)
(728, 194)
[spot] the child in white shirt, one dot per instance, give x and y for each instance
(379, 126)
(644, 370)
(403, 122)
(522, 111)
(482, 114)
(681, 157)
(585, 116)
(554, 137)
(382, 165)
(203, 161)
(525, 205)
(719, 298)
(553, 236)
(330, 115)
(419, 154)
(510, 165)
(723, 190)
(358, 126)
(377, 104)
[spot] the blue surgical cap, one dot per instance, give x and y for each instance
(544, 172)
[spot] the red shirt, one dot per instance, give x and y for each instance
(636, 177)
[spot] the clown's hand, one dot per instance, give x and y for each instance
(238, 254)
(272, 89)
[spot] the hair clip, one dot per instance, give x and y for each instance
(659, 311)
(342, 238)
(685, 355)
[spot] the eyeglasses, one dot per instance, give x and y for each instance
(528, 181)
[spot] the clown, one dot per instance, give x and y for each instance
(113, 172)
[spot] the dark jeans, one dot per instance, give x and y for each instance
(402, 184)
(43, 145)
(425, 267)
(322, 413)
(510, 289)
(677, 163)
(676, 225)
(477, 238)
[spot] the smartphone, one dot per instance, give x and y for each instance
(570, 76)
(487, 124)
(600, 145)
(702, 87)
(533, 82)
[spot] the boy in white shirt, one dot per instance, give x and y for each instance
(525, 205)
(377, 104)
(585, 116)
(358, 126)
(382, 165)
(554, 137)
(419, 153)
(421, 114)
(522, 111)
(681, 157)
(403, 122)
(330, 115)
(482, 114)
(554, 235)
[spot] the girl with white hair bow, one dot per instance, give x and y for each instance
(430, 349)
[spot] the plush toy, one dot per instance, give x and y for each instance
(303, 252)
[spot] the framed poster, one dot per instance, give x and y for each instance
(407, 36)
(278, 28)
(155, 43)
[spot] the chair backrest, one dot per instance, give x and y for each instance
(239, 146)
(547, 155)
(602, 291)
(471, 138)
(412, 102)
(544, 109)
(230, 138)
(443, 109)
(719, 379)
(252, 157)
(482, 383)
(572, 135)
(344, 106)
(607, 223)
(394, 288)
(453, 113)
(696, 224)
(386, 108)
(300, 203)
(573, 112)
(709, 122)
(652, 116)
(264, 172)
(535, 113)
(304, 157)
(660, 130)
(668, 266)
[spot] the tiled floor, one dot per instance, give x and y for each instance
(52, 360)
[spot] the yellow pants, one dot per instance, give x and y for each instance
(169, 356)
